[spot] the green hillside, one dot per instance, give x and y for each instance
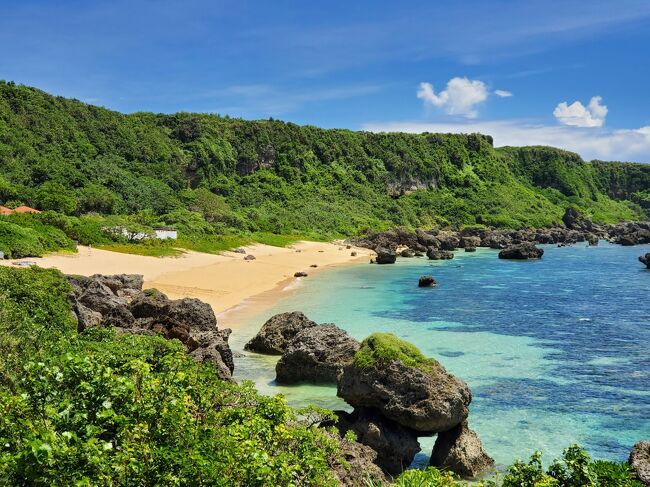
(211, 175)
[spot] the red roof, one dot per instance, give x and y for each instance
(5, 211)
(26, 209)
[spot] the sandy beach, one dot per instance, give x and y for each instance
(225, 281)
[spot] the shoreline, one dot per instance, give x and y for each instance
(235, 288)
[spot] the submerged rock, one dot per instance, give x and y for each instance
(427, 281)
(640, 462)
(385, 256)
(522, 251)
(396, 446)
(278, 331)
(645, 259)
(316, 354)
(461, 451)
(419, 394)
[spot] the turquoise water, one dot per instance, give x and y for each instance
(556, 351)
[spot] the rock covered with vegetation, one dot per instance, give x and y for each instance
(119, 301)
(316, 354)
(394, 377)
(277, 332)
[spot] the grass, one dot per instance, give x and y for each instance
(381, 348)
(146, 249)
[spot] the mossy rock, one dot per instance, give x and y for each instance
(382, 348)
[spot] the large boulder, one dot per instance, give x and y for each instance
(575, 220)
(645, 259)
(461, 451)
(640, 462)
(427, 281)
(316, 354)
(385, 255)
(86, 317)
(119, 283)
(99, 297)
(278, 331)
(437, 254)
(396, 446)
(470, 242)
(393, 376)
(522, 251)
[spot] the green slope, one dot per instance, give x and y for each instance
(239, 176)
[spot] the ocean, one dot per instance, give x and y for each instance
(556, 351)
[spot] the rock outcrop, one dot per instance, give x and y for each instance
(522, 251)
(119, 301)
(427, 281)
(278, 331)
(359, 466)
(437, 254)
(461, 451)
(396, 446)
(316, 354)
(645, 259)
(640, 462)
(426, 399)
(385, 256)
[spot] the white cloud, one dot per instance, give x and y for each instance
(577, 115)
(459, 98)
(621, 145)
(503, 93)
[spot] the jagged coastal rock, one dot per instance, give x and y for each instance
(419, 394)
(360, 465)
(119, 301)
(316, 354)
(522, 251)
(385, 255)
(427, 281)
(396, 446)
(278, 331)
(437, 254)
(645, 259)
(461, 451)
(640, 462)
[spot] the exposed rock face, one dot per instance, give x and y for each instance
(276, 334)
(360, 466)
(645, 259)
(396, 446)
(522, 251)
(470, 249)
(640, 462)
(574, 220)
(385, 256)
(316, 354)
(470, 242)
(407, 253)
(429, 402)
(118, 301)
(427, 281)
(437, 254)
(461, 451)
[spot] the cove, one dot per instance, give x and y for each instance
(556, 351)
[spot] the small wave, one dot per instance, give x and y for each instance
(584, 319)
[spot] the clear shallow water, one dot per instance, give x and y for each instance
(556, 351)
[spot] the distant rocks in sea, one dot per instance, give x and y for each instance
(427, 281)
(645, 259)
(300, 274)
(119, 301)
(640, 462)
(522, 251)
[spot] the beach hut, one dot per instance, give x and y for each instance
(163, 233)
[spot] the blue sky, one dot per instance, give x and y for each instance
(415, 66)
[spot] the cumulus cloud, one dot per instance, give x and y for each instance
(503, 93)
(621, 145)
(460, 97)
(577, 115)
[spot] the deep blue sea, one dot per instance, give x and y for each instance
(555, 351)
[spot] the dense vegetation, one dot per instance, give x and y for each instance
(213, 176)
(98, 408)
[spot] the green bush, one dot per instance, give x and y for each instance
(382, 348)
